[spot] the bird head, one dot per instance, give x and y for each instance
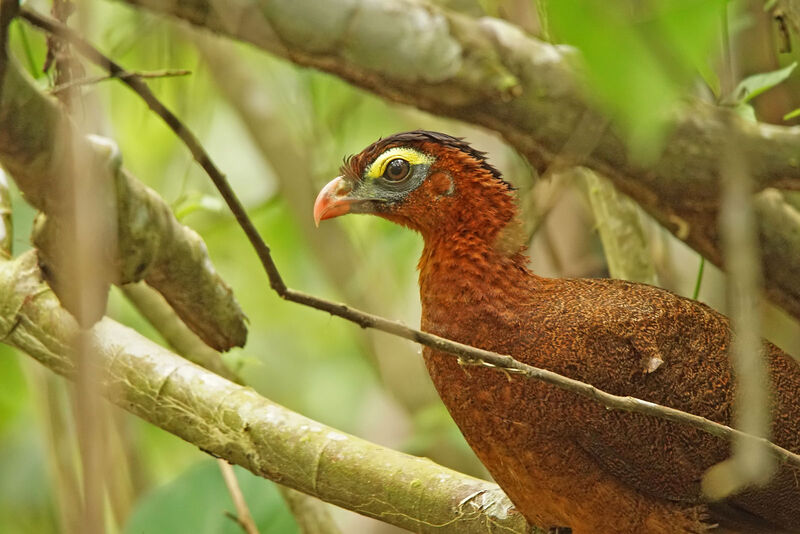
(428, 181)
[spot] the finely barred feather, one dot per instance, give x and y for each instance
(563, 459)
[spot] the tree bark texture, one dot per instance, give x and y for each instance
(487, 72)
(152, 245)
(235, 423)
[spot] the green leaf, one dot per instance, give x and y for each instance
(197, 500)
(792, 114)
(640, 58)
(745, 111)
(195, 203)
(754, 85)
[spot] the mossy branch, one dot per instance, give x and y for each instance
(470, 355)
(467, 355)
(311, 515)
(620, 228)
(235, 423)
(487, 72)
(152, 244)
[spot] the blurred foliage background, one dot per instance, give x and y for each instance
(280, 133)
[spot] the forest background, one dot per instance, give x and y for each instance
(278, 93)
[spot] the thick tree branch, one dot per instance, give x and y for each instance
(468, 355)
(618, 223)
(235, 423)
(311, 515)
(153, 307)
(152, 244)
(488, 73)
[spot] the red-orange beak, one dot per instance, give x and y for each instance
(332, 201)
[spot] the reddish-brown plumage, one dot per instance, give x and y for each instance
(563, 459)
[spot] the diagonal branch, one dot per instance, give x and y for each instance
(236, 423)
(152, 244)
(469, 355)
(487, 72)
(312, 515)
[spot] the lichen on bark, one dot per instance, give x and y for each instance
(236, 423)
(151, 244)
(531, 93)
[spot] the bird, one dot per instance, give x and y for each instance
(565, 460)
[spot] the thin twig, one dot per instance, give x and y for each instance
(49, 397)
(233, 517)
(468, 354)
(97, 79)
(699, 281)
(190, 140)
(243, 517)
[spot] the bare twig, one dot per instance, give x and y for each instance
(236, 423)
(312, 515)
(467, 353)
(233, 517)
(243, 515)
(49, 394)
(481, 59)
(96, 79)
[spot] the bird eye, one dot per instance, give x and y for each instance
(396, 170)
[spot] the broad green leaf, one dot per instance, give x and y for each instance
(196, 503)
(754, 85)
(640, 57)
(26, 497)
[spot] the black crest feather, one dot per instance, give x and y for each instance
(353, 166)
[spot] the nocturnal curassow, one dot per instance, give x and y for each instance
(565, 460)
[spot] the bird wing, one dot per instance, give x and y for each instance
(657, 346)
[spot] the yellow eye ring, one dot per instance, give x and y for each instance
(414, 157)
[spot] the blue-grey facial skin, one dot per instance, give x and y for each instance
(380, 194)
